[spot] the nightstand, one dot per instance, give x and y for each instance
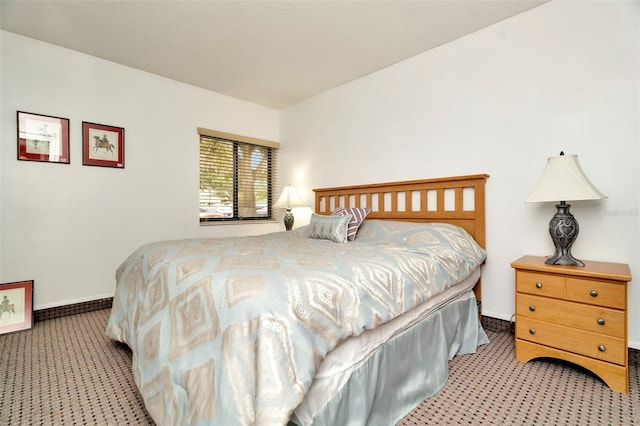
(574, 313)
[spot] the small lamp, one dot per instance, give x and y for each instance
(289, 199)
(563, 180)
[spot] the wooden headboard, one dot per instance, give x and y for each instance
(458, 200)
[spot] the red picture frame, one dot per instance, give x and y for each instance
(102, 145)
(16, 306)
(43, 138)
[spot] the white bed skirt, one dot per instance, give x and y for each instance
(387, 384)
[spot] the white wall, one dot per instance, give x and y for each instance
(68, 227)
(564, 76)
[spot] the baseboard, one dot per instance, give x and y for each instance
(72, 309)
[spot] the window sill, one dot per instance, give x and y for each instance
(240, 222)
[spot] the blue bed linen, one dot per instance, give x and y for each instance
(231, 331)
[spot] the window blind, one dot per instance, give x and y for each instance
(237, 179)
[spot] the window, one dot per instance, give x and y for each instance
(236, 177)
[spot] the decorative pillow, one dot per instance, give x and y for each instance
(332, 228)
(358, 215)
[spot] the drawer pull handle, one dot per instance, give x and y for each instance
(532, 331)
(601, 321)
(532, 308)
(593, 293)
(602, 348)
(538, 284)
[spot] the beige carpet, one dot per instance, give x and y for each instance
(65, 371)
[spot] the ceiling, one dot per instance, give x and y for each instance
(272, 53)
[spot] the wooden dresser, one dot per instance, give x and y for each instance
(574, 313)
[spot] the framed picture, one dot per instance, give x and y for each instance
(43, 138)
(102, 145)
(16, 306)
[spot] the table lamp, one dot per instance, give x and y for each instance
(289, 199)
(563, 180)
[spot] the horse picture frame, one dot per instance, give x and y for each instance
(102, 145)
(16, 306)
(43, 138)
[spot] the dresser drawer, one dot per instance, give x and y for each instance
(601, 293)
(541, 284)
(597, 319)
(541, 308)
(598, 346)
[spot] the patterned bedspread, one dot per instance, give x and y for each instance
(231, 330)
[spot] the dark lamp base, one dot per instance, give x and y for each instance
(288, 220)
(565, 259)
(564, 230)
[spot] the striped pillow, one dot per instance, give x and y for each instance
(358, 215)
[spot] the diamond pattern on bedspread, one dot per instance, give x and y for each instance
(251, 350)
(240, 287)
(156, 257)
(156, 295)
(193, 318)
(317, 303)
(188, 268)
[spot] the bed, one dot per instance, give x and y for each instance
(296, 328)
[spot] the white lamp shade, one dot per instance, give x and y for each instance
(290, 198)
(564, 180)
